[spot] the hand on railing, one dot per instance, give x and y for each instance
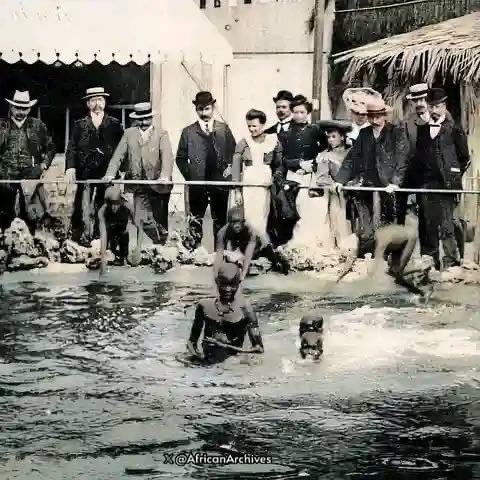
(391, 188)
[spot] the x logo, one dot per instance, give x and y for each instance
(168, 458)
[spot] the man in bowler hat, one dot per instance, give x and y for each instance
(205, 152)
(283, 101)
(442, 156)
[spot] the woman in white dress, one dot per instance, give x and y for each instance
(257, 157)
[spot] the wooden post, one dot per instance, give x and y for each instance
(67, 127)
(318, 59)
(476, 241)
(328, 21)
(377, 210)
(156, 91)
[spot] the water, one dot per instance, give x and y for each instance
(90, 388)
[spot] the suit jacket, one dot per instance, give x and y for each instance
(192, 153)
(82, 153)
(389, 156)
(282, 135)
(143, 160)
(454, 155)
(40, 142)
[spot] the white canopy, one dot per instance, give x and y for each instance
(107, 30)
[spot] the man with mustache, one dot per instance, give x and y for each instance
(283, 103)
(26, 151)
(205, 152)
(442, 155)
(92, 143)
(145, 153)
(377, 159)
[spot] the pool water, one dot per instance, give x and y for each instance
(90, 387)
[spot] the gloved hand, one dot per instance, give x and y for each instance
(307, 166)
(391, 188)
(70, 175)
(336, 187)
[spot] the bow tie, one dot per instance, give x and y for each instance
(438, 125)
(285, 123)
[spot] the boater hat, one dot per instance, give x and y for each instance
(377, 106)
(342, 126)
(436, 96)
(22, 100)
(203, 99)
(419, 90)
(142, 110)
(95, 92)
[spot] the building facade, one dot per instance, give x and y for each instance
(272, 43)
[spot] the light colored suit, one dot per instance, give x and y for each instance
(144, 160)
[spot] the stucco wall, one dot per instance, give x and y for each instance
(264, 27)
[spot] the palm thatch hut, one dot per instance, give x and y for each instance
(446, 54)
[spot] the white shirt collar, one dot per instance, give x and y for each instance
(284, 124)
(145, 133)
(438, 122)
(425, 116)
(20, 123)
(209, 123)
(97, 118)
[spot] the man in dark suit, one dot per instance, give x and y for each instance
(205, 152)
(378, 158)
(26, 151)
(92, 143)
(443, 156)
(283, 102)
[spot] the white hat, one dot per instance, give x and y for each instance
(22, 100)
(142, 110)
(95, 92)
(419, 90)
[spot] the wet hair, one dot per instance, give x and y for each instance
(311, 322)
(256, 114)
(229, 273)
(299, 100)
(113, 194)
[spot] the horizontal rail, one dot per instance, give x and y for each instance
(236, 184)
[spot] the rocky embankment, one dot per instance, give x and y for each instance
(19, 250)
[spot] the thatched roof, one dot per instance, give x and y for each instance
(448, 48)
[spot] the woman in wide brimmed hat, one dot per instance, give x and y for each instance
(328, 165)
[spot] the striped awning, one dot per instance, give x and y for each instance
(107, 31)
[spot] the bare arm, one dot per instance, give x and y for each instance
(220, 250)
(103, 238)
(250, 250)
(195, 332)
(253, 329)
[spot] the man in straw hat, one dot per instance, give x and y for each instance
(379, 159)
(145, 153)
(442, 155)
(205, 152)
(355, 100)
(92, 143)
(26, 151)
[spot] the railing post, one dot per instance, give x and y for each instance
(476, 241)
(377, 210)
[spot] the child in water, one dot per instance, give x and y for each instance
(311, 335)
(224, 320)
(113, 217)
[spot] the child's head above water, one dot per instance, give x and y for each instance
(113, 196)
(311, 322)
